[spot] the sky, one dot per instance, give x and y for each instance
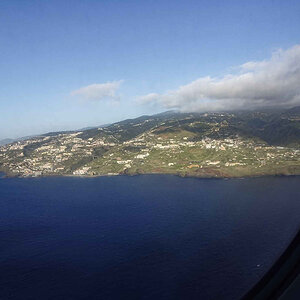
(71, 64)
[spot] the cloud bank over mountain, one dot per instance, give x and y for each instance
(99, 91)
(267, 83)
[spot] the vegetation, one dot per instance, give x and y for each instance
(233, 144)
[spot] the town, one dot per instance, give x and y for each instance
(162, 148)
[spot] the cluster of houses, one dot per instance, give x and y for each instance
(48, 155)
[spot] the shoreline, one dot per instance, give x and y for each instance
(3, 175)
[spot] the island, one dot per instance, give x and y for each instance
(217, 144)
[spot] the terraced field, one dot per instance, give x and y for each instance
(205, 145)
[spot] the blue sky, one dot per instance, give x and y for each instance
(51, 50)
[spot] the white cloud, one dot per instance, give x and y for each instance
(99, 91)
(273, 82)
(148, 98)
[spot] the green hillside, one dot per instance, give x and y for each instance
(224, 144)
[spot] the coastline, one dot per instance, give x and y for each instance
(4, 175)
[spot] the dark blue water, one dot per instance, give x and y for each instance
(144, 237)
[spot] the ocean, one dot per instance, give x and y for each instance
(142, 237)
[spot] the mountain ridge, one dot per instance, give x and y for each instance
(188, 144)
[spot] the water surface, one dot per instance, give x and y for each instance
(142, 237)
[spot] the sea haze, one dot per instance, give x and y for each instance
(142, 237)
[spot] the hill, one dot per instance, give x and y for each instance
(224, 144)
(6, 141)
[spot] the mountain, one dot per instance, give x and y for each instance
(6, 141)
(223, 144)
(9, 141)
